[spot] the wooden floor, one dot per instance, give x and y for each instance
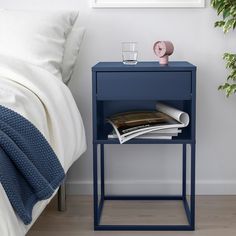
(215, 216)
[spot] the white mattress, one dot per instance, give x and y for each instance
(48, 104)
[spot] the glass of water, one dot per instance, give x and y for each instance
(129, 53)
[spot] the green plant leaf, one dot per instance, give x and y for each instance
(226, 9)
(219, 23)
(226, 13)
(228, 25)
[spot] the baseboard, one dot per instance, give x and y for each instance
(153, 187)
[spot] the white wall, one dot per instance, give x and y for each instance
(155, 168)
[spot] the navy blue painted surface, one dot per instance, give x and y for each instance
(119, 88)
(143, 85)
(144, 66)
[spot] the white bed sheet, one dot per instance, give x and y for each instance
(48, 104)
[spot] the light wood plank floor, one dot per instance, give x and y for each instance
(215, 216)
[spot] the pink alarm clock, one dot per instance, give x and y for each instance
(163, 49)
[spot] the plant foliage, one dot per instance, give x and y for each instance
(227, 9)
(230, 86)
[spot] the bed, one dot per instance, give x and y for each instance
(38, 52)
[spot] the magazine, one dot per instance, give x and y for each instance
(168, 131)
(144, 136)
(161, 131)
(149, 135)
(128, 125)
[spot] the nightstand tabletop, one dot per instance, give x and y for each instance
(144, 66)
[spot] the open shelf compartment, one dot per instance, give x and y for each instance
(107, 108)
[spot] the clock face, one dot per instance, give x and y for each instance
(160, 49)
(163, 48)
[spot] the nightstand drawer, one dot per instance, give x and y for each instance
(143, 85)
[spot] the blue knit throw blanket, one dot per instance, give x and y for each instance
(29, 169)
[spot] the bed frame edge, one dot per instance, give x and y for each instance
(62, 196)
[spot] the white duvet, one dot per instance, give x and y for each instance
(48, 104)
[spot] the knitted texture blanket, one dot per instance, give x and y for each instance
(29, 169)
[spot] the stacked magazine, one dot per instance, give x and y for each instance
(163, 123)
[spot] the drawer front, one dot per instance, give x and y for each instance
(143, 85)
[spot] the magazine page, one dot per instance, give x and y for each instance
(116, 130)
(134, 135)
(156, 133)
(152, 134)
(126, 138)
(180, 116)
(161, 131)
(168, 131)
(128, 125)
(146, 136)
(130, 122)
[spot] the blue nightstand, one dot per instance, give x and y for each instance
(118, 88)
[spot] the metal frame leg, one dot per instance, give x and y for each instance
(62, 196)
(95, 186)
(98, 205)
(192, 202)
(184, 172)
(189, 208)
(102, 172)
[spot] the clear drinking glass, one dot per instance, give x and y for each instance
(129, 53)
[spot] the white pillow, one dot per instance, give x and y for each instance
(72, 48)
(36, 37)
